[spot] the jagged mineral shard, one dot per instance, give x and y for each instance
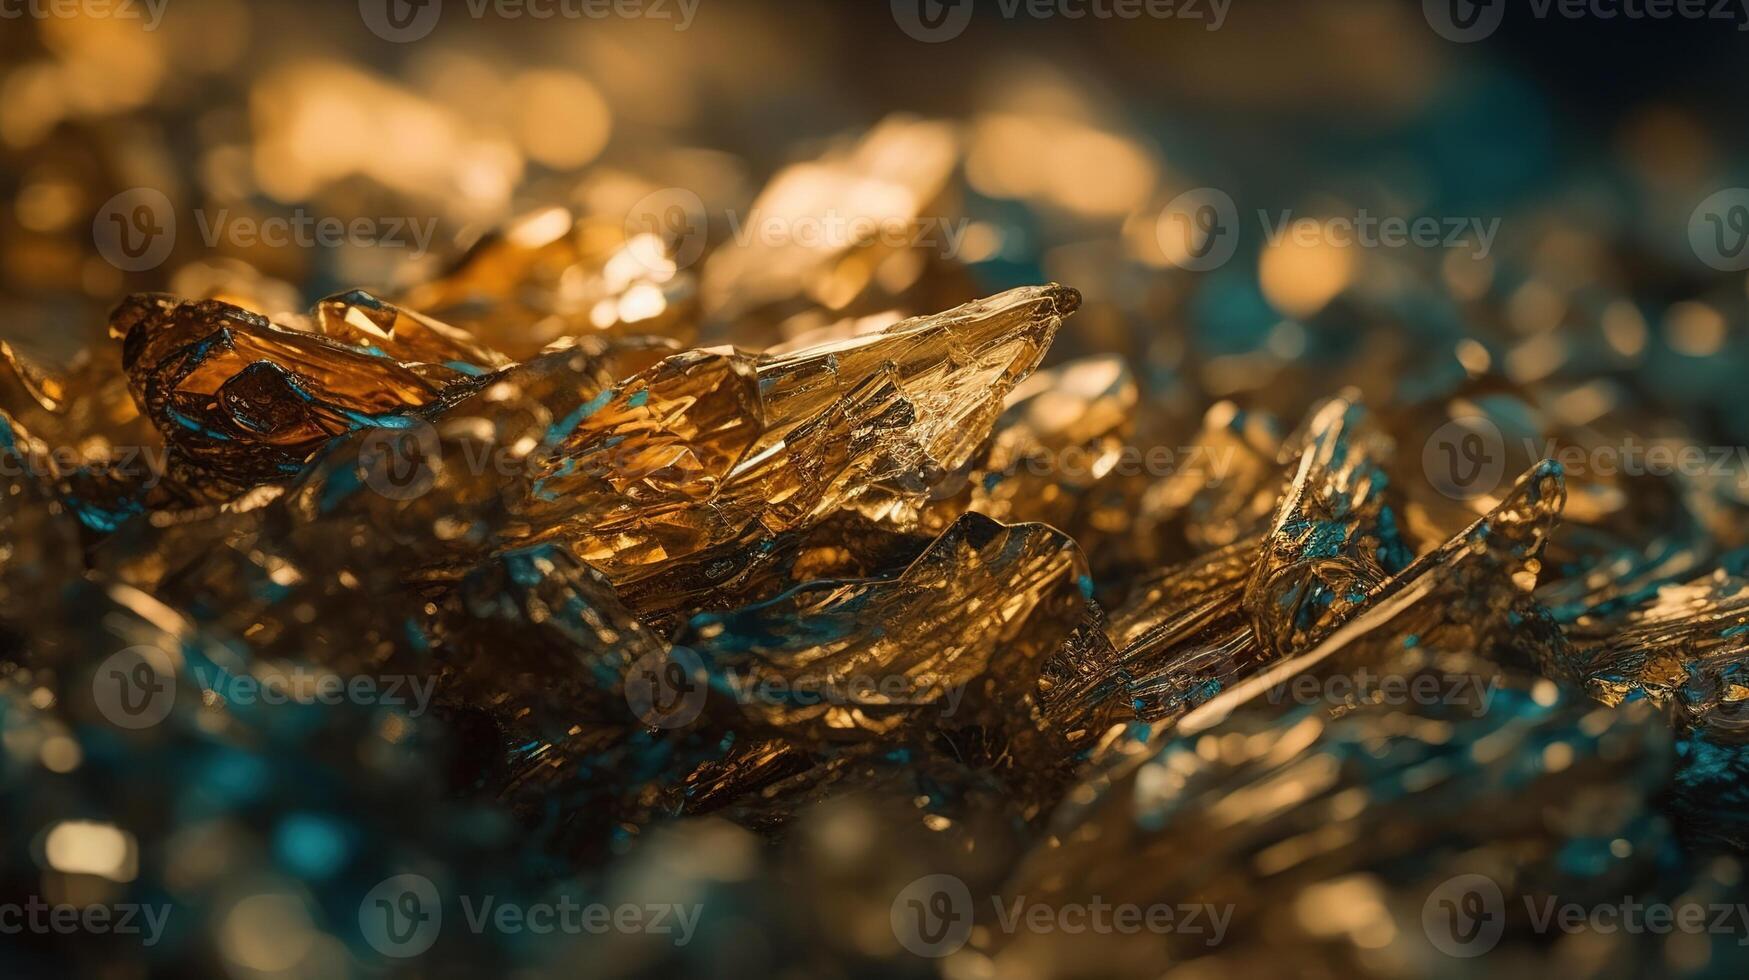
(715, 446)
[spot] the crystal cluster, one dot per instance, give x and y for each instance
(644, 582)
(792, 582)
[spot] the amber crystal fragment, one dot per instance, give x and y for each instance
(361, 320)
(627, 486)
(1280, 829)
(241, 401)
(1334, 538)
(1061, 453)
(1685, 651)
(959, 635)
(1471, 594)
(82, 431)
(898, 564)
(1272, 773)
(716, 446)
(1192, 510)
